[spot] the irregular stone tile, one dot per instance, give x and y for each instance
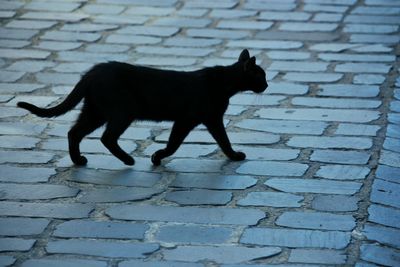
(10, 76)
(262, 44)
(330, 142)
(287, 55)
(212, 4)
(357, 129)
(119, 19)
(16, 244)
(287, 88)
(343, 172)
(312, 77)
(376, 10)
(30, 66)
(272, 168)
(318, 114)
(317, 256)
(123, 177)
(390, 158)
(384, 235)
(149, 30)
(386, 193)
(23, 53)
(363, 68)
(217, 33)
(103, 9)
(186, 150)
(118, 195)
(384, 215)
(325, 8)
(308, 27)
(183, 22)
(230, 14)
(101, 248)
(52, 6)
(177, 51)
(284, 126)
(355, 57)
(213, 181)
(342, 157)
(327, 17)
(374, 38)
(199, 197)
(295, 238)
(57, 46)
(78, 56)
(42, 101)
(154, 263)
(298, 66)
(100, 229)
(244, 25)
(393, 130)
(335, 102)
(59, 16)
(6, 260)
(46, 210)
(368, 79)
(18, 142)
(186, 214)
(348, 90)
(22, 226)
(271, 6)
(106, 48)
(285, 16)
(220, 254)
(57, 78)
(271, 199)
(149, 11)
(165, 61)
(191, 12)
(63, 263)
(25, 157)
(292, 185)
(316, 220)
(194, 234)
(192, 42)
(24, 34)
(36, 191)
(380, 255)
(262, 153)
(388, 173)
(195, 165)
(25, 174)
(335, 203)
(255, 100)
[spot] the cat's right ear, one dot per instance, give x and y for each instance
(244, 56)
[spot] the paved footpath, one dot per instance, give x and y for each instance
(321, 183)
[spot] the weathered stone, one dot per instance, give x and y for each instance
(384, 235)
(380, 255)
(316, 220)
(284, 126)
(25, 174)
(384, 215)
(194, 234)
(287, 88)
(363, 68)
(22, 226)
(357, 129)
(195, 165)
(262, 153)
(46, 210)
(386, 193)
(368, 79)
(16, 244)
(342, 157)
(390, 158)
(271, 199)
(330, 142)
(255, 100)
(317, 256)
(285, 16)
(63, 263)
(186, 150)
(187, 214)
(182, 22)
(348, 90)
(296, 238)
(261, 44)
(213, 181)
(335, 203)
(125, 177)
(388, 173)
(355, 57)
(292, 185)
(8, 141)
(335, 102)
(155, 263)
(220, 254)
(25, 157)
(199, 197)
(343, 172)
(101, 248)
(119, 194)
(100, 229)
(62, 16)
(36, 191)
(308, 27)
(52, 6)
(6, 260)
(272, 168)
(244, 25)
(177, 51)
(312, 77)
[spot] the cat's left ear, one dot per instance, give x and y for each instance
(250, 63)
(244, 56)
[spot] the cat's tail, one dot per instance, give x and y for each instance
(69, 103)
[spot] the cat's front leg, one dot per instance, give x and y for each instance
(217, 130)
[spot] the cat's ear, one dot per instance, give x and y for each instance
(244, 56)
(251, 62)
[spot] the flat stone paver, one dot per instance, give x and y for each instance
(320, 185)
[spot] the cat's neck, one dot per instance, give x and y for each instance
(229, 79)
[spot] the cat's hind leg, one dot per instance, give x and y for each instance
(179, 132)
(115, 128)
(87, 122)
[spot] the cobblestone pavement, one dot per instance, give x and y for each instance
(321, 183)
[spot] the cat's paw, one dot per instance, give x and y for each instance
(238, 156)
(156, 159)
(81, 161)
(129, 161)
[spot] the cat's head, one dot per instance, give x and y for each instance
(254, 76)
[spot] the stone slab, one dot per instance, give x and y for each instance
(199, 197)
(335, 203)
(271, 199)
(22, 226)
(272, 168)
(213, 181)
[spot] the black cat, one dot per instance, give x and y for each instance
(118, 93)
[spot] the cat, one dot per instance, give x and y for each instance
(118, 93)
